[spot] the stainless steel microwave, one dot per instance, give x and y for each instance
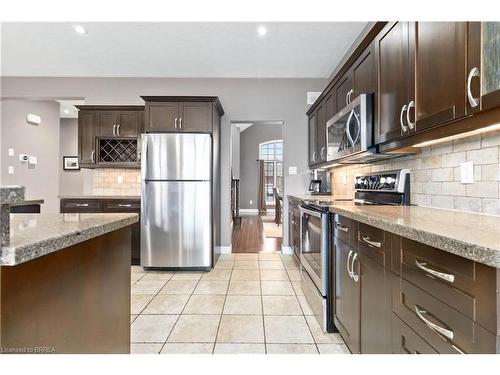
(349, 133)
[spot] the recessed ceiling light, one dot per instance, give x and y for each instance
(262, 30)
(80, 29)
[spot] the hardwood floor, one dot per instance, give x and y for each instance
(249, 237)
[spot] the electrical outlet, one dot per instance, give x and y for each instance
(292, 170)
(138, 180)
(119, 179)
(344, 179)
(467, 172)
(11, 169)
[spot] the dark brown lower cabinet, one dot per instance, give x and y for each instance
(347, 296)
(406, 341)
(97, 205)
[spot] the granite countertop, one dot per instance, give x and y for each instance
(470, 235)
(11, 194)
(126, 197)
(35, 235)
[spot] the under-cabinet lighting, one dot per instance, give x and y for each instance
(329, 166)
(458, 136)
(80, 29)
(262, 30)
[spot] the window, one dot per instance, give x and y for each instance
(272, 154)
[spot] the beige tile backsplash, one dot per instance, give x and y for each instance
(435, 175)
(105, 182)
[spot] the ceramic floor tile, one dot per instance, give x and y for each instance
(281, 305)
(321, 337)
(145, 348)
(306, 308)
(294, 275)
(333, 349)
(223, 348)
(187, 276)
(287, 329)
(269, 256)
(291, 349)
(219, 274)
(179, 287)
(224, 265)
(134, 277)
(271, 265)
(241, 329)
(167, 304)
(240, 256)
(137, 269)
(175, 348)
(147, 287)
(297, 287)
(292, 266)
(273, 275)
(152, 328)
(226, 257)
(277, 288)
(245, 275)
(139, 301)
(243, 305)
(158, 276)
(195, 328)
(211, 287)
(205, 304)
(244, 288)
(246, 264)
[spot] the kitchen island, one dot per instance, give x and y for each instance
(65, 284)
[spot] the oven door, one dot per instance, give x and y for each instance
(314, 246)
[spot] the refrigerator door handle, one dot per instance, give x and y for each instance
(144, 154)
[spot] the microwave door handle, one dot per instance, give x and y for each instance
(358, 133)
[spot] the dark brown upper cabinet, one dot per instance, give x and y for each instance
(394, 55)
(321, 133)
(483, 68)
(311, 129)
(87, 137)
(364, 73)
(180, 114)
(440, 62)
(123, 123)
(343, 91)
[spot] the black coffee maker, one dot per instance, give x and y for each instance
(320, 182)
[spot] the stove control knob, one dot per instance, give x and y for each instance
(391, 180)
(383, 180)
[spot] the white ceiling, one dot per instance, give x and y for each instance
(290, 50)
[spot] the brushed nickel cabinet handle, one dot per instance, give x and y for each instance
(118, 130)
(322, 152)
(348, 96)
(124, 205)
(443, 331)
(180, 123)
(411, 105)
(473, 102)
(81, 204)
(403, 127)
(355, 277)
(114, 130)
(175, 123)
(92, 156)
(349, 263)
(314, 156)
(443, 276)
(341, 227)
(370, 242)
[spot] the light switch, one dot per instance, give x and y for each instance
(344, 179)
(11, 169)
(23, 157)
(292, 170)
(32, 160)
(11, 152)
(467, 172)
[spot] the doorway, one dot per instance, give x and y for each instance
(257, 185)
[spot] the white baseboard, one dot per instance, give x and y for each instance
(225, 249)
(286, 250)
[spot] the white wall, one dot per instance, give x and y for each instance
(242, 99)
(235, 151)
(42, 180)
(70, 182)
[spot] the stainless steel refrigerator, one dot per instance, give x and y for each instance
(176, 201)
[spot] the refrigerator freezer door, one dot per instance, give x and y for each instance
(176, 157)
(176, 224)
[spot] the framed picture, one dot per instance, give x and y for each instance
(70, 163)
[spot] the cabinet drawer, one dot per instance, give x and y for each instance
(345, 229)
(116, 205)
(375, 243)
(463, 284)
(80, 206)
(406, 341)
(444, 328)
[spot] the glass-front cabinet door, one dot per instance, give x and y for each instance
(483, 55)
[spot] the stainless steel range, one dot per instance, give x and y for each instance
(380, 188)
